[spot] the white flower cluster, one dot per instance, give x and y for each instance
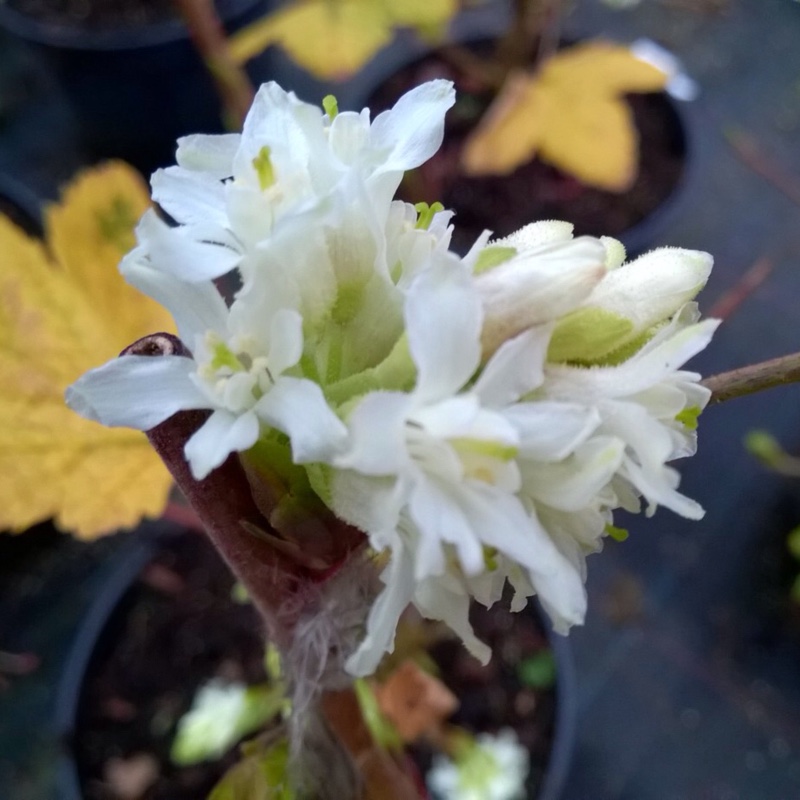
(491, 767)
(479, 418)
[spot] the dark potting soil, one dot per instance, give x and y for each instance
(177, 628)
(99, 14)
(535, 191)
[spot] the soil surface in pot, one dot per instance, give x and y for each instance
(177, 628)
(100, 14)
(535, 191)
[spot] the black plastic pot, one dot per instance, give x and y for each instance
(481, 24)
(122, 572)
(20, 205)
(134, 89)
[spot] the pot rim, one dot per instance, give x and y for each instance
(117, 38)
(128, 562)
(26, 200)
(484, 22)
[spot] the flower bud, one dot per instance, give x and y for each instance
(537, 284)
(629, 303)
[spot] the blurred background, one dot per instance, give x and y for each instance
(688, 667)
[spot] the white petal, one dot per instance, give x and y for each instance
(195, 307)
(645, 369)
(515, 369)
(222, 434)
(370, 503)
(660, 488)
(434, 600)
(550, 431)
(412, 131)
(377, 435)
(443, 322)
(298, 408)
(175, 252)
(384, 615)
(537, 234)
(286, 341)
(136, 391)
(538, 286)
(437, 511)
(189, 196)
(654, 286)
(572, 484)
(504, 524)
(349, 135)
(212, 155)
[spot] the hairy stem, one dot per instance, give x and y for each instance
(233, 86)
(225, 506)
(754, 378)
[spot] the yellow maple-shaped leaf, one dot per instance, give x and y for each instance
(333, 39)
(572, 114)
(64, 308)
(510, 132)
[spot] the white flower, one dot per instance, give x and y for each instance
(493, 767)
(238, 372)
(544, 273)
(301, 205)
(648, 404)
(431, 474)
(254, 195)
(630, 302)
(221, 714)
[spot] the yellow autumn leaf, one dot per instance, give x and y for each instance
(64, 308)
(521, 106)
(572, 114)
(333, 39)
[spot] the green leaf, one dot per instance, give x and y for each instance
(793, 542)
(764, 447)
(795, 591)
(262, 776)
(538, 672)
(383, 732)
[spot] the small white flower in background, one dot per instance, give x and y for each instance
(479, 418)
(491, 767)
(221, 714)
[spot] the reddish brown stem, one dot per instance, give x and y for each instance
(754, 378)
(184, 516)
(742, 289)
(225, 506)
(233, 85)
(750, 153)
(384, 778)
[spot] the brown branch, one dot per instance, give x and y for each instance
(742, 289)
(225, 506)
(384, 778)
(754, 378)
(233, 86)
(751, 154)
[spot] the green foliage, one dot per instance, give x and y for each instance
(383, 732)
(259, 776)
(538, 671)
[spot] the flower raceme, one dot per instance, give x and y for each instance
(478, 418)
